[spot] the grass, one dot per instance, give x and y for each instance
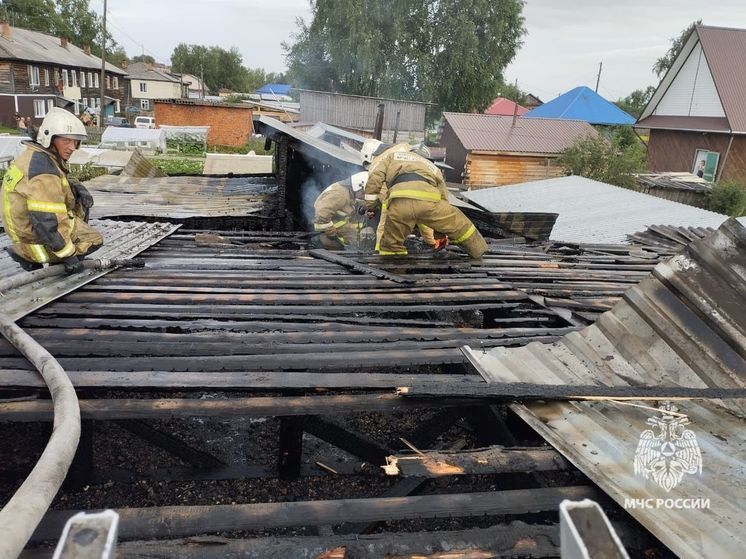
(179, 166)
(13, 131)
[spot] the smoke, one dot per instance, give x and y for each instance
(309, 191)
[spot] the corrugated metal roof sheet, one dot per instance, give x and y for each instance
(533, 136)
(696, 123)
(685, 325)
(505, 107)
(34, 46)
(582, 103)
(725, 50)
(121, 241)
(591, 211)
(144, 71)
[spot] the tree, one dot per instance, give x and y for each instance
(512, 92)
(36, 15)
(143, 58)
(728, 197)
(615, 161)
(222, 69)
(635, 102)
(452, 52)
(662, 65)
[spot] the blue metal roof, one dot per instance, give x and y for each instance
(582, 103)
(275, 89)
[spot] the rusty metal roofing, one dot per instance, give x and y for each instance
(180, 197)
(121, 240)
(684, 325)
(33, 46)
(492, 133)
(725, 50)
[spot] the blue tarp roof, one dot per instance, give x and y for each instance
(275, 88)
(582, 103)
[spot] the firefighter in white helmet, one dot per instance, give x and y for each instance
(44, 212)
(335, 207)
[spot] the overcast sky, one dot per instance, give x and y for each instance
(566, 39)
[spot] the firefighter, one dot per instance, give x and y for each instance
(375, 150)
(43, 211)
(416, 194)
(333, 209)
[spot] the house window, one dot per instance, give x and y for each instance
(145, 104)
(46, 76)
(65, 78)
(706, 164)
(39, 108)
(82, 78)
(74, 76)
(50, 104)
(77, 107)
(95, 80)
(33, 76)
(143, 87)
(108, 82)
(116, 82)
(90, 79)
(117, 106)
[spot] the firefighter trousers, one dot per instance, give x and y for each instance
(84, 237)
(427, 234)
(402, 214)
(347, 234)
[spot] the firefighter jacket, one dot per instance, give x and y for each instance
(333, 207)
(38, 205)
(407, 175)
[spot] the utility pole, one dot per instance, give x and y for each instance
(598, 78)
(103, 74)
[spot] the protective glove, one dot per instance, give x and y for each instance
(440, 244)
(73, 265)
(331, 232)
(82, 196)
(370, 214)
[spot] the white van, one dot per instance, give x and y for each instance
(144, 122)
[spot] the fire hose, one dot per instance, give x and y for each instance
(25, 509)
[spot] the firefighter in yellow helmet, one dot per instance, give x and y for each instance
(373, 151)
(417, 194)
(333, 209)
(44, 212)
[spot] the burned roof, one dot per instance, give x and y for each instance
(499, 134)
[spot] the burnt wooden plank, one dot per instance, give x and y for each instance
(290, 447)
(175, 521)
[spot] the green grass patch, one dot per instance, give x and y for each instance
(176, 166)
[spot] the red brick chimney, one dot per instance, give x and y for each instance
(63, 42)
(5, 29)
(87, 49)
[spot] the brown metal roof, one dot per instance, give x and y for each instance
(529, 135)
(693, 123)
(725, 50)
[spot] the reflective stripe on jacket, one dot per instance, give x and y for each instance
(333, 207)
(38, 204)
(407, 175)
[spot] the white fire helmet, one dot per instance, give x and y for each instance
(60, 122)
(422, 150)
(369, 148)
(358, 181)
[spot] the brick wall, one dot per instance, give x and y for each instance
(229, 126)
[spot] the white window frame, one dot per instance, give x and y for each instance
(74, 78)
(115, 85)
(65, 78)
(90, 79)
(143, 87)
(33, 76)
(108, 81)
(117, 106)
(46, 77)
(40, 110)
(95, 80)
(82, 78)
(50, 104)
(77, 107)
(145, 104)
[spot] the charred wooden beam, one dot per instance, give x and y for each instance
(358, 267)
(290, 447)
(494, 460)
(354, 443)
(175, 521)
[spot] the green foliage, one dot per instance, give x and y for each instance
(64, 18)
(254, 144)
(614, 159)
(185, 147)
(452, 52)
(635, 102)
(223, 69)
(143, 58)
(176, 166)
(86, 172)
(662, 65)
(512, 92)
(729, 198)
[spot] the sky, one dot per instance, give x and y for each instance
(565, 41)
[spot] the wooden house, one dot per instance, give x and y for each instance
(697, 116)
(38, 72)
(487, 150)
